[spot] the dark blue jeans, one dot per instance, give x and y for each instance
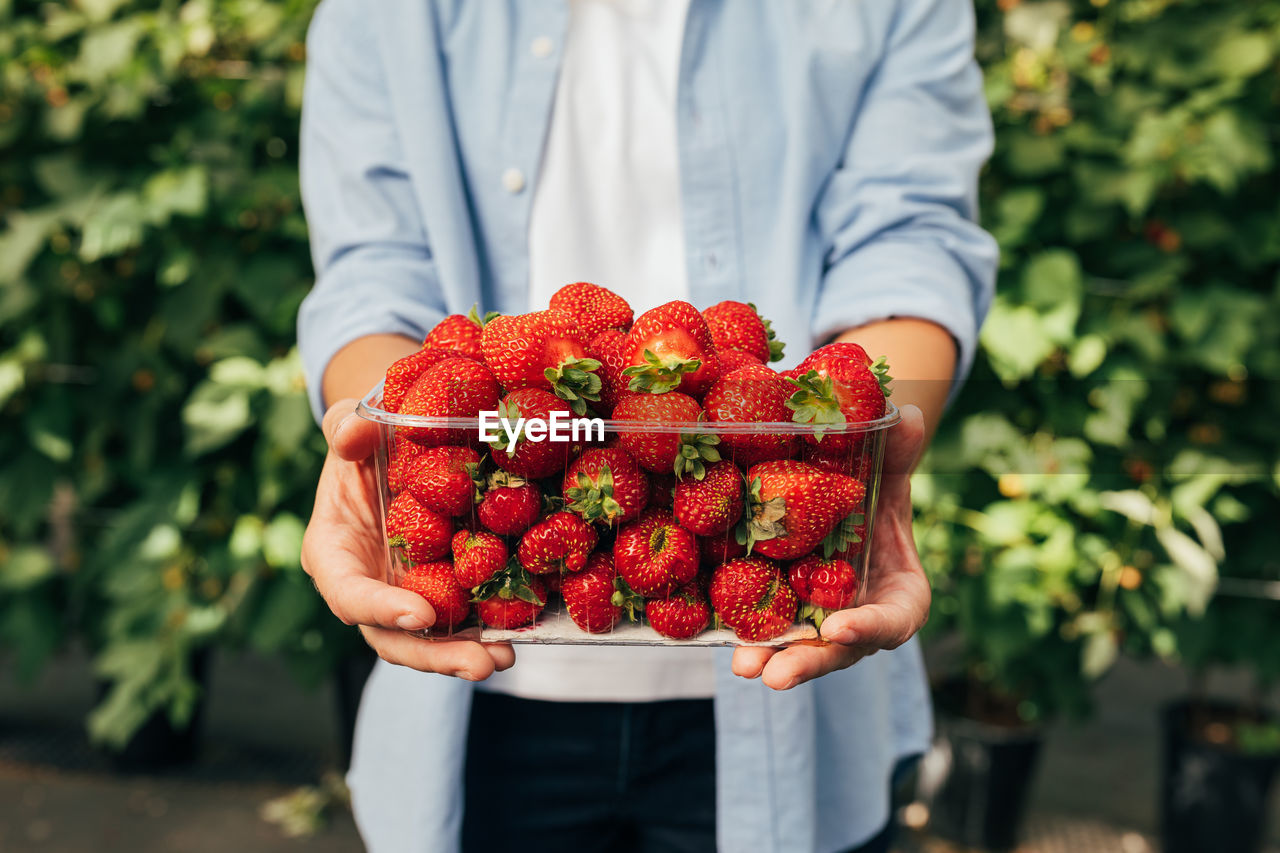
(594, 776)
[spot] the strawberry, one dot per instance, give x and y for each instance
(793, 506)
(400, 461)
(681, 615)
(510, 504)
(738, 326)
(544, 350)
(451, 388)
(460, 333)
(589, 595)
(654, 555)
(751, 596)
(610, 349)
(835, 385)
(661, 450)
(560, 542)
(823, 585)
(662, 489)
(435, 582)
(671, 347)
(526, 457)
(440, 479)
(605, 485)
(477, 556)
(732, 359)
(751, 394)
(510, 599)
(423, 534)
(401, 375)
(596, 308)
(714, 550)
(713, 504)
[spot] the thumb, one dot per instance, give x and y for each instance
(350, 436)
(905, 441)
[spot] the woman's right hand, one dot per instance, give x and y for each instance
(343, 551)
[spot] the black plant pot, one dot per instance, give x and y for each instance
(157, 745)
(975, 781)
(1211, 797)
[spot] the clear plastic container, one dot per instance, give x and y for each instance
(845, 452)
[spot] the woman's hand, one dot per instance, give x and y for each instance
(344, 553)
(896, 600)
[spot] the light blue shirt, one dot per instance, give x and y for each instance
(829, 153)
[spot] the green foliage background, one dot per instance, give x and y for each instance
(1118, 437)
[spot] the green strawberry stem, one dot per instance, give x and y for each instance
(763, 518)
(575, 381)
(628, 599)
(814, 613)
(814, 401)
(474, 315)
(595, 501)
(696, 450)
(881, 369)
(843, 534)
(513, 581)
(659, 375)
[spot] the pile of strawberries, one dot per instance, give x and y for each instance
(683, 528)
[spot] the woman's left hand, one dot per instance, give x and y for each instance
(896, 600)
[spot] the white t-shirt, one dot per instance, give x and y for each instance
(606, 209)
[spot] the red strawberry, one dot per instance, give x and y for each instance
(714, 550)
(793, 506)
(424, 535)
(713, 504)
(751, 596)
(510, 504)
(400, 461)
(671, 347)
(605, 485)
(597, 308)
(401, 375)
(681, 615)
(530, 458)
(654, 555)
(835, 385)
(450, 388)
(732, 359)
(610, 349)
(589, 595)
(738, 326)
(477, 556)
(752, 394)
(823, 585)
(544, 350)
(661, 450)
(560, 542)
(511, 599)
(435, 582)
(460, 332)
(441, 479)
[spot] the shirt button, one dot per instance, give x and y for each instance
(541, 47)
(513, 180)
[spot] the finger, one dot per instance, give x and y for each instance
(905, 441)
(350, 436)
(885, 624)
(798, 664)
(749, 661)
(358, 599)
(464, 659)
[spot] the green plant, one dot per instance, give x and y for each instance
(1115, 446)
(152, 259)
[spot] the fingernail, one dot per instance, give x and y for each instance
(792, 683)
(464, 675)
(409, 622)
(845, 636)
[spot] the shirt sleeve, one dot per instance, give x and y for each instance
(898, 215)
(374, 267)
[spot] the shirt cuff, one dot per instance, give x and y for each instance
(901, 279)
